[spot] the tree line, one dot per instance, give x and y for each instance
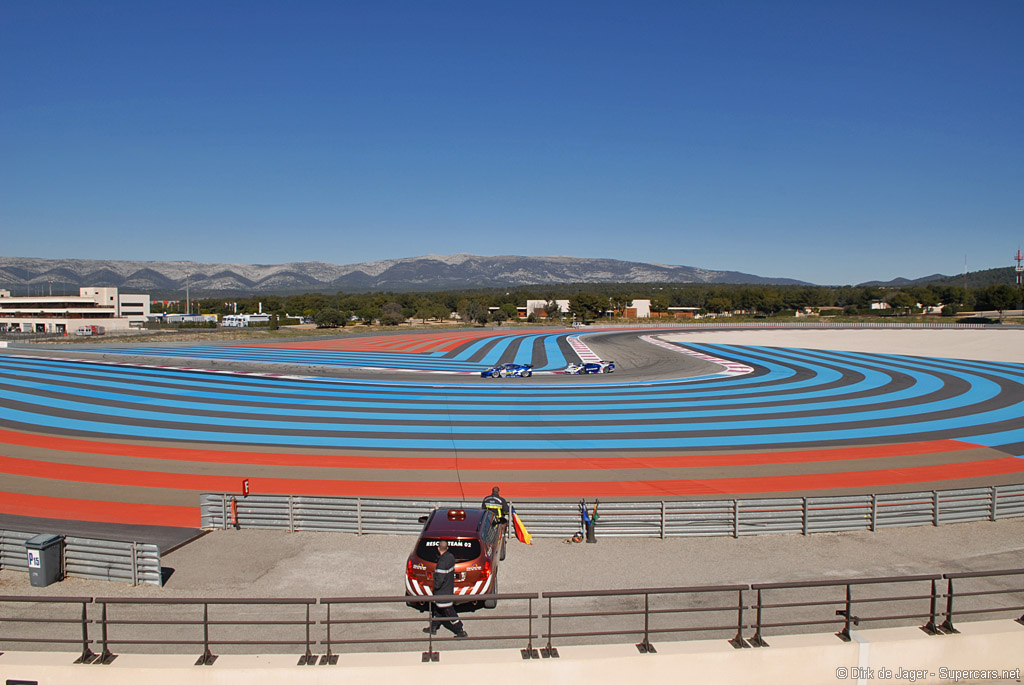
(591, 301)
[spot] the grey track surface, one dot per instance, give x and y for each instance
(167, 538)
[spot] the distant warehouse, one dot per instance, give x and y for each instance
(65, 314)
(244, 320)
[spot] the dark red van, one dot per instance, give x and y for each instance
(476, 537)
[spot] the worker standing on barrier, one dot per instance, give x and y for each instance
(444, 584)
(496, 503)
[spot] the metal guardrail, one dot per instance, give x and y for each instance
(131, 562)
(929, 601)
(804, 515)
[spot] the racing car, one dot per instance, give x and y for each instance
(590, 367)
(510, 369)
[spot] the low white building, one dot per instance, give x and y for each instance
(639, 309)
(539, 308)
(64, 314)
(244, 320)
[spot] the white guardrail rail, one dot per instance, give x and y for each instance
(731, 518)
(137, 563)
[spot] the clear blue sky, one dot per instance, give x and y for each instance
(833, 142)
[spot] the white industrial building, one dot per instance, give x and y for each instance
(539, 308)
(244, 320)
(64, 314)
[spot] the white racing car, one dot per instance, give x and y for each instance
(579, 368)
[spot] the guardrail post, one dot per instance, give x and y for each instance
(328, 658)
(529, 652)
(947, 625)
(874, 512)
(135, 564)
(804, 525)
(757, 640)
(645, 645)
(430, 654)
(207, 657)
(291, 514)
(847, 613)
(223, 511)
(663, 520)
(735, 518)
(88, 656)
(359, 515)
(935, 507)
(307, 659)
(738, 642)
(994, 494)
(930, 627)
(549, 652)
(106, 656)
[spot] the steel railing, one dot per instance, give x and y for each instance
(934, 602)
(732, 518)
(136, 622)
(358, 621)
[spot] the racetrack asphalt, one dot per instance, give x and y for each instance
(101, 433)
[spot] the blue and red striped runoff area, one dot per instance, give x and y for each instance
(133, 434)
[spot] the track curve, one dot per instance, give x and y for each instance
(123, 442)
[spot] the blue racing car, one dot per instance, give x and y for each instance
(510, 369)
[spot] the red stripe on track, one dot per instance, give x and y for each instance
(353, 488)
(99, 512)
(397, 344)
(479, 463)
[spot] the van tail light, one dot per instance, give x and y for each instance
(408, 568)
(487, 569)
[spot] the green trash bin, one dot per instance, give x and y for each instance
(44, 557)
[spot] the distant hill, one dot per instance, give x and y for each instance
(975, 279)
(25, 275)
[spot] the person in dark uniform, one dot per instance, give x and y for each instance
(497, 503)
(444, 584)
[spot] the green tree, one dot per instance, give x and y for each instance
(587, 306)
(472, 311)
(328, 318)
(425, 309)
(901, 302)
(660, 303)
(999, 297)
(719, 304)
(392, 314)
(552, 309)
(510, 310)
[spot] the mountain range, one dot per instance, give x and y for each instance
(34, 276)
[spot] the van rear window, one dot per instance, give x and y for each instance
(462, 550)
